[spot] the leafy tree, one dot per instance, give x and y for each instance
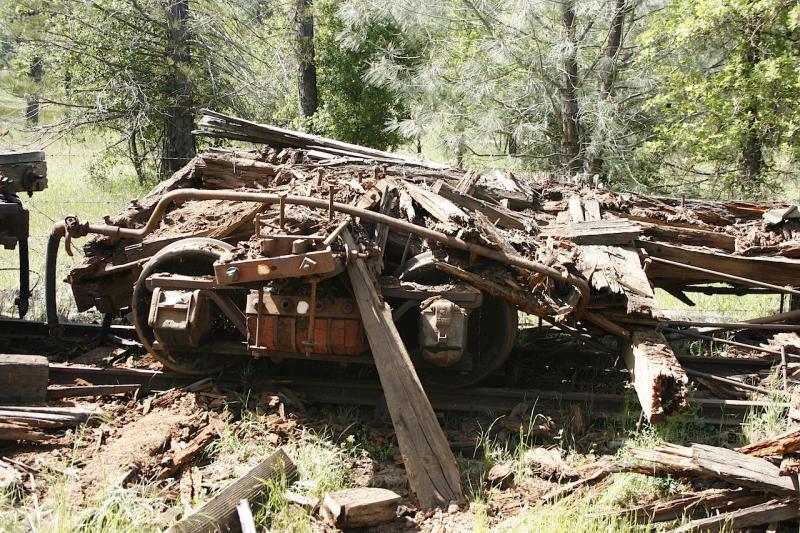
(548, 83)
(141, 67)
(728, 103)
(354, 110)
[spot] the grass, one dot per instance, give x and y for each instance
(567, 517)
(727, 307)
(82, 181)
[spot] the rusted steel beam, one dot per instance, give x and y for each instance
(695, 323)
(689, 333)
(727, 381)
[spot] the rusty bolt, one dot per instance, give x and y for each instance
(233, 273)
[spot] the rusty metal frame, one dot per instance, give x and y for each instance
(60, 230)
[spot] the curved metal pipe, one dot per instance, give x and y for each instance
(266, 198)
(50, 277)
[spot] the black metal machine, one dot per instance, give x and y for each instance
(19, 172)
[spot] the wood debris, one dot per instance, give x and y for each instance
(360, 507)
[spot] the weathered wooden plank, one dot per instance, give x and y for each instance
(514, 200)
(432, 470)
(775, 270)
(720, 463)
(440, 208)
(618, 270)
(660, 382)
(359, 507)
(682, 232)
(500, 216)
(575, 207)
(763, 513)
(612, 231)
(220, 514)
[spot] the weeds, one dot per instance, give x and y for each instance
(568, 517)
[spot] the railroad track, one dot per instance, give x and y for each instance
(365, 392)
(492, 400)
(34, 330)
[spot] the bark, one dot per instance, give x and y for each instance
(752, 154)
(570, 125)
(136, 159)
(178, 141)
(35, 72)
(306, 67)
(609, 72)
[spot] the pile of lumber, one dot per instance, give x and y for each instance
(622, 244)
(761, 492)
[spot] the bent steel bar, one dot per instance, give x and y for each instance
(60, 230)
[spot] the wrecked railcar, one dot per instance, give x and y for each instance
(241, 254)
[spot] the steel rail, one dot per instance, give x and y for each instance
(62, 229)
(369, 393)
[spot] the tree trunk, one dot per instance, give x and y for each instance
(179, 122)
(570, 126)
(752, 154)
(306, 67)
(136, 159)
(608, 73)
(32, 109)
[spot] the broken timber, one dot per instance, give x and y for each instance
(220, 513)
(432, 470)
(661, 383)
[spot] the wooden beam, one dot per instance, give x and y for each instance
(498, 215)
(659, 380)
(220, 514)
(359, 507)
(23, 378)
(783, 444)
(440, 208)
(774, 270)
(610, 231)
(432, 470)
(720, 463)
(763, 513)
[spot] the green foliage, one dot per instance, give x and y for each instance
(108, 66)
(728, 101)
(568, 517)
(351, 109)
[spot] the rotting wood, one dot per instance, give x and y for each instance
(57, 392)
(194, 448)
(432, 470)
(661, 383)
(359, 507)
(499, 215)
(772, 270)
(720, 463)
(763, 513)
(618, 270)
(709, 501)
(23, 378)
(10, 431)
(440, 208)
(783, 444)
(609, 232)
(219, 514)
